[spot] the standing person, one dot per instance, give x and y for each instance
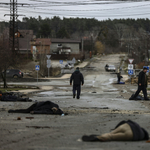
(77, 79)
(119, 77)
(142, 85)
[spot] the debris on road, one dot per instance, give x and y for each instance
(38, 127)
(30, 118)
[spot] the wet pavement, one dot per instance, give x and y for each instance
(101, 106)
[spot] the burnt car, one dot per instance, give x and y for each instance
(14, 73)
(110, 68)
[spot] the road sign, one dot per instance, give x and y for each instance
(73, 60)
(48, 63)
(147, 68)
(37, 67)
(48, 56)
(131, 61)
(130, 66)
(61, 61)
(130, 72)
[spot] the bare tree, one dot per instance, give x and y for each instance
(6, 56)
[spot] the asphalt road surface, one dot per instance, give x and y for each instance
(101, 107)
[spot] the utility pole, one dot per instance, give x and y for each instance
(13, 27)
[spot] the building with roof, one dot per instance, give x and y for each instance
(24, 37)
(40, 46)
(65, 46)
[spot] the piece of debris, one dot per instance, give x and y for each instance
(124, 91)
(38, 127)
(105, 108)
(19, 118)
(30, 118)
(121, 96)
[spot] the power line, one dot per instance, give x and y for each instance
(95, 9)
(98, 15)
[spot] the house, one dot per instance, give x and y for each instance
(40, 46)
(65, 46)
(24, 37)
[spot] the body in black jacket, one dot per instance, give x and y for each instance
(77, 79)
(46, 107)
(142, 85)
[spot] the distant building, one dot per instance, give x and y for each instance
(24, 37)
(40, 46)
(65, 46)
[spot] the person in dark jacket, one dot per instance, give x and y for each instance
(124, 131)
(142, 85)
(119, 77)
(77, 79)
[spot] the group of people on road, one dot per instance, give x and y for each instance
(78, 80)
(125, 130)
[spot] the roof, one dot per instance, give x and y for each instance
(56, 40)
(42, 41)
(25, 33)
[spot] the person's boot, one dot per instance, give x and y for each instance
(132, 97)
(78, 97)
(74, 96)
(146, 99)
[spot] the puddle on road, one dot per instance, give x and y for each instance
(111, 80)
(54, 94)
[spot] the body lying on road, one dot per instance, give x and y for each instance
(124, 131)
(46, 107)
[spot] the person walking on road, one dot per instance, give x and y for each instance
(142, 85)
(77, 79)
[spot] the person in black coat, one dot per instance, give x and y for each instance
(142, 85)
(119, 77)
(77, 79)
(124, 131)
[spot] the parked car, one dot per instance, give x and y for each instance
(62, 50)
(110, 68)
(14, 73)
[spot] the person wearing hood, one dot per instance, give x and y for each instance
(77, 79)
(142, 85)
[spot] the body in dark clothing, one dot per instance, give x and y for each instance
(46, 107)
(142, 85)
(13, 98)
(124, 131)
(138, 132)
(77, 79)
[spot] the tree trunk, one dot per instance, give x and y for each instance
(4, 78)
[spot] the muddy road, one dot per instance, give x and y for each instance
(101, 106)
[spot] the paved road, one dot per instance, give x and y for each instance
(100, 108)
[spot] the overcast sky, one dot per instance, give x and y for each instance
(100, 10)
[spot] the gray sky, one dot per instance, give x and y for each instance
(100, 10)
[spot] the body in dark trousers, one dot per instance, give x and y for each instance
(77, 79)
(142, 85)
